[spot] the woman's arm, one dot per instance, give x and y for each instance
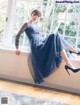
(25, 25)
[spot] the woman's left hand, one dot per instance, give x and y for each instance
(17, 52)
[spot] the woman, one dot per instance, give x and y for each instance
(46, 54)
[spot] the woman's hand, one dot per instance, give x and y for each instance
(17, 52)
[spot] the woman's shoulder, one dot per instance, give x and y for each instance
(27, 24)
(24, 26)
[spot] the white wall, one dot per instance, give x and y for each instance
(16, 68)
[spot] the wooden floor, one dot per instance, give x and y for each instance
(21, 89)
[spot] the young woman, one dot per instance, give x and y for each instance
(46, 54)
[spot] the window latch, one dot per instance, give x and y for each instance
(6, 19)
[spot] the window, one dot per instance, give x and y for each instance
(66, 22)
(61, 18)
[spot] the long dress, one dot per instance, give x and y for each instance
(45, 53)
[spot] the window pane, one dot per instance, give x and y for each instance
(19, 16)
(71, 41)
(74, 8)
(79, 31)
(61, 27)
(71, 28)
(59, 17)
(3, 11)
(78, 42)
(60, 8)
(78, 45)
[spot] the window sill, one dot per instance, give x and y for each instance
(27, 50)
(12, 49)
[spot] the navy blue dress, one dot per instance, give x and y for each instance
(45, 53)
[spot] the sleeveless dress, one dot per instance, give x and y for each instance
(45, 53)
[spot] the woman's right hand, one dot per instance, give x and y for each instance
(17, 52)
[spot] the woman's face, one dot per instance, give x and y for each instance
(35, 17)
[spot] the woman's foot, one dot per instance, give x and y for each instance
(73, 70)
(73, 50)
(70, 65)
(78, 53)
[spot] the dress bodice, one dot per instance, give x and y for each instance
(33, 32)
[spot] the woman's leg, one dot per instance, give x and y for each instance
(67, 45)
(72, 49)
(66, 59)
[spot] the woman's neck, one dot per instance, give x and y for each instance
(31, 21)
